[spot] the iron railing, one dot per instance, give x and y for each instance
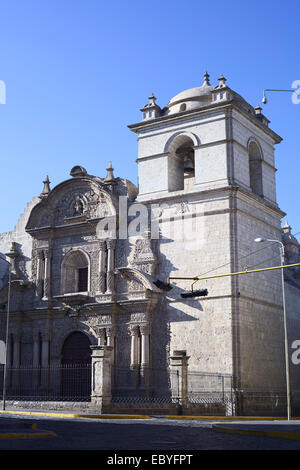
(155, 388)
(142, 385)
(65, 382)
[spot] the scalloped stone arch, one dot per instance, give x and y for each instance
(68, 273)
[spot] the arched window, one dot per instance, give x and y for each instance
(255, 168)
(181, 162)
(75, 273)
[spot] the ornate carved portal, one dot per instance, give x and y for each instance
(75, 273)
(76, 361)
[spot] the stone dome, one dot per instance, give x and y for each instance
(191, 98)
(287, 237)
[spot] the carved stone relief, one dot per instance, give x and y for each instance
(81, 202)
(142, 255)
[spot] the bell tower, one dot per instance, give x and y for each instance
(208, 155)
(205, 138)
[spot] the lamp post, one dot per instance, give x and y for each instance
(264, 99)
(287, 372)
(7, 327)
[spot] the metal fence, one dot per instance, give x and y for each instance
(66, 382)
(130, 386)
(145, 388)
(144, 385)
(211, 392)
(158, 388)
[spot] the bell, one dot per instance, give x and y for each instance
(188, 166)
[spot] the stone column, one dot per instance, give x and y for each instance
(110, 265)
(145, 357)
(36, 359)
(45, 360)
(9, 362)
(179, 378)
(16, 350)
(36, 350)
(102, 267)
(47, 274)
(145, 346)
(110, 335)
(8, 356)
(101, 337)
(40, 274)
(101, 377)
(16, 360)
(45, 350)
(56, 373)
(134, 353)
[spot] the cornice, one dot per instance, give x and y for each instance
(211, 108)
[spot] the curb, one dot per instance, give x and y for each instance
(232, 418)
(26, 435)
(113, 416)
(280, 434)
(74, 415)
(123, 416)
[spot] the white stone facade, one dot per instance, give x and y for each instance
(206, 173)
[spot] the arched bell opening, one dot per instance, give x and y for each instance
(255, 168)
(181, 163)
(186, 153)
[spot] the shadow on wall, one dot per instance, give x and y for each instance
(3, 270)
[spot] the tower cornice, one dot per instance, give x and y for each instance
(206, 110)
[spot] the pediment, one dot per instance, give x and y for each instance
(76, 200)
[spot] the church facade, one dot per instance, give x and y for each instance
(97, 262)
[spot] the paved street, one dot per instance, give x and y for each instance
(152, 434)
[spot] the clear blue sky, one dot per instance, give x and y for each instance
(78, 72)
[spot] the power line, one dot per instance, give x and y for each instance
(242, 257)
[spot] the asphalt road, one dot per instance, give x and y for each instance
(153, 434)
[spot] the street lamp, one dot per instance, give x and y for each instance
(288, 392)
(7, 325)
(264, 99)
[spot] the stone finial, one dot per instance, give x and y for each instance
(14, 247)
(222, 81)
(110, 174)
(78, 171)
(286, 228)
(258, 110)
(152, 100)
(206, 79)
(13, 250)
(46, 188)
(151, 110)
(13, 255)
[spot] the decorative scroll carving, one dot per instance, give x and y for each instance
(82, 202)
(142, 256)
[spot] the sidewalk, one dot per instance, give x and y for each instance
(277, 428)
